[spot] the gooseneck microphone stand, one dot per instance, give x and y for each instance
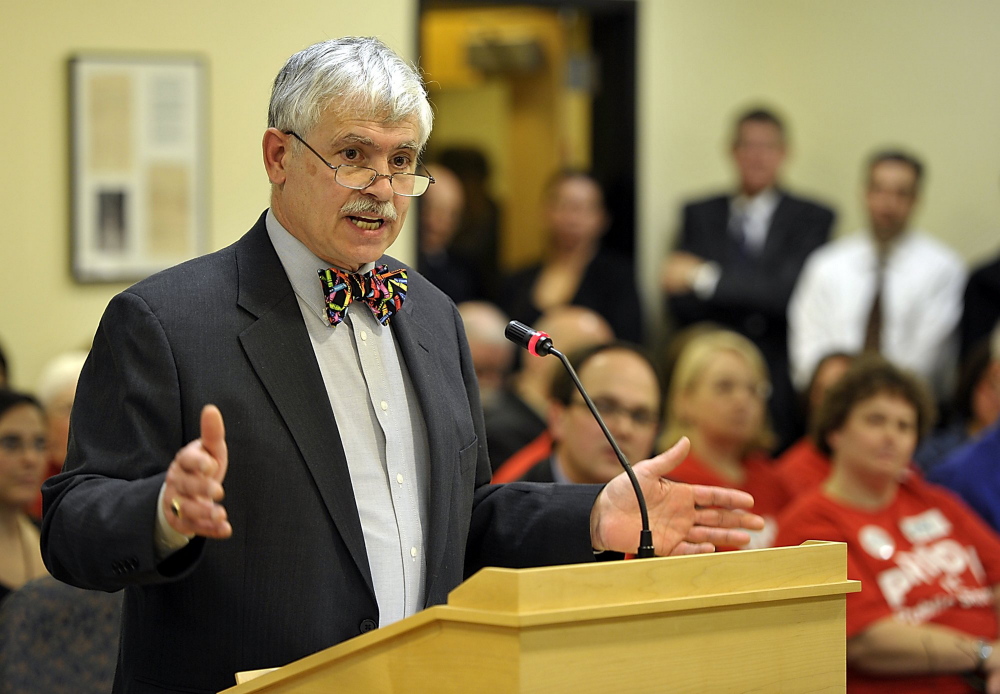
(539, 344)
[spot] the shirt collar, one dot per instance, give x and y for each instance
(302, 266)
(557, 472)
(763, 202)
(895, 246)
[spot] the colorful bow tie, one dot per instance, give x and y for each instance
(382, 291)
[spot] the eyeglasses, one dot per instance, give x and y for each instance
(727, 387)
(409, 185)
(15, 445)
(609, 409)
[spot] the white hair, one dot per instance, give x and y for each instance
(360, 76)
(59, 374)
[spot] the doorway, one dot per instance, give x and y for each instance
(534, 88)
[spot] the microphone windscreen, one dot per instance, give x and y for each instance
(536, 342)
(518, 333)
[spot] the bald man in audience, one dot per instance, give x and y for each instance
(518, 417)
(625, 388)
(492, 353)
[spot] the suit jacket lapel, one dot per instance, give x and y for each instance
(418, 344)
(718, 219)
(279, 349)
(778, 228)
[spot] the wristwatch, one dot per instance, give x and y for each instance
(984, 649)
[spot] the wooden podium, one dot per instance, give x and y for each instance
(768, 620)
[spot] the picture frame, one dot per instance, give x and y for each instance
(138, 163)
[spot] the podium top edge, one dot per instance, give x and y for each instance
(651, 580)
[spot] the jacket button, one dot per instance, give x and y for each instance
(367, 625)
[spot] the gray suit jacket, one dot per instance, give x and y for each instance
(294, 578)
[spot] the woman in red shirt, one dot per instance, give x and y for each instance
(926, 617)
(803, 466)
(718, 399)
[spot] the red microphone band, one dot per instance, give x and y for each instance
(533, 342)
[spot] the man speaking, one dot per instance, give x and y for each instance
(344, 429)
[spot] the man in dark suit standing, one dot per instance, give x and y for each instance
(738, 255)
(352, 456)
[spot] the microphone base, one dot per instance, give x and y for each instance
(646, 550)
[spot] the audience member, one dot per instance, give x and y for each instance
(517, 417)
(739, 254)
(981, 304)
(929, 568)
(477, 240)
(974, 470)
(718, 399)
(22, 460)
(575, 271)
(891, 290)
(56, 391)
(804, 467)
(975, 406)
(623, 384)
(492, 353)
(440, 216)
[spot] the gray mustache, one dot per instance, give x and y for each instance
(377, 208)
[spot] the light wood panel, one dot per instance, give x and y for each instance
(766, 620)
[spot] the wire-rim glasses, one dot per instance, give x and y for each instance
(409, 185)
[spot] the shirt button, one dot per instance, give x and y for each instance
(364, 336)
(384, 405)
(413, 552)
(399, 477)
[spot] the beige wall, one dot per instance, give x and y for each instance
(851, 75)
(42, 311)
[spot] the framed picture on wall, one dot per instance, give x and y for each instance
(138, 163)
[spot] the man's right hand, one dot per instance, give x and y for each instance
(678, 272)
(193, 488)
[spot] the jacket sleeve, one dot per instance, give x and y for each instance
(100, 512)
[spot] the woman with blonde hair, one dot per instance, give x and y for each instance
(718, 399)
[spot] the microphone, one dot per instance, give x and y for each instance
(540, 344)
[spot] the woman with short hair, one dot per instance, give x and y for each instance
(926, 617)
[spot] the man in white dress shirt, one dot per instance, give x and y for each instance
(891, 289)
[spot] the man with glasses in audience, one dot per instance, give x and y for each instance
(351, 455)
(625, 388)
